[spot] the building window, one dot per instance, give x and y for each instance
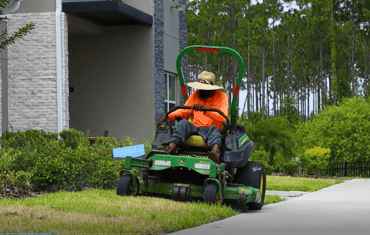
(170, 93)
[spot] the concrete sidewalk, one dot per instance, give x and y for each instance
(286, 194)
(339, 209)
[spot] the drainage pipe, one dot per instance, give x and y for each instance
(58, 26)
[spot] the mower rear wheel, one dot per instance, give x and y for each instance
(211, 194)
(253, 174)
(125, 186)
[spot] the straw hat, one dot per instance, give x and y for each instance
(206, 82)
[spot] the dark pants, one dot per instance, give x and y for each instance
(184, 129)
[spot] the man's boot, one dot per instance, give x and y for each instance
(170, 147)
(214, 154)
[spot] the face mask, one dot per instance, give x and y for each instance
(204, 94)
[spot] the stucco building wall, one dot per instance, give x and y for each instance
(112, 77)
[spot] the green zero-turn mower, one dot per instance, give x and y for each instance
(187, 173)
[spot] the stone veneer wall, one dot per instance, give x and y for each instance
(32, 73)
(1, 100)
(182, 44)
(159, 82)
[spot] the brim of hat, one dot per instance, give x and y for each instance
(202, 86)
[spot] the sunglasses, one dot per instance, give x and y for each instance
(205, 82)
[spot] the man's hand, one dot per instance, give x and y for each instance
(197, 107)
(160, 122)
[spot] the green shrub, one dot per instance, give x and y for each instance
(273, 135)
(148, 146)
(314, 164)
(71, 137)
(46, 161)
(262, 157)
(20, 179)
(290, 168)
(344, 129)
(70, 161)
(105, 176)
(30, 139)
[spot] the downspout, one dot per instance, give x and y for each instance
(58, 26)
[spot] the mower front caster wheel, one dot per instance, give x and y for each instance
(125, 186)
(211, 195)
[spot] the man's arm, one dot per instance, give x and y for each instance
(183, 113)
(223, 106)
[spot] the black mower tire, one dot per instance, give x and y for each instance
(254, 175)
(125, 186)
(210, 194)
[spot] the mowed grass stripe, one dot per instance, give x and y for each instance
(102, 211)
(288, 183)
(22, 219)
(93, 210)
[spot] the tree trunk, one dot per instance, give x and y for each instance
(253, 98)
(353, 50)
(245, 101)
(288, 78)
(333, 56)
(274, 64)
(330, 85)
(320, 85)
(368, 76)
(261, 107)
(365, 67)
(256, 96)
(308, 92)
(263, 74)
(248, 81)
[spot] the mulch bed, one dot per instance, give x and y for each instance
(13, 191)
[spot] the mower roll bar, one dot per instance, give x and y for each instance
(215, 49)
(191, 107)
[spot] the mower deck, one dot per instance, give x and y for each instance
(184, 191)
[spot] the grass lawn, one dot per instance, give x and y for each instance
(288, 183)
(102, 211)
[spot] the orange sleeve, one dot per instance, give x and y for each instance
(223, 106)
(183, 113)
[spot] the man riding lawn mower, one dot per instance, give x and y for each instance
(206, 124)
(203, 156)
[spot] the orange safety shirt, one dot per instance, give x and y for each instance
(200, 119)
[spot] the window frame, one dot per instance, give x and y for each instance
(167, 99)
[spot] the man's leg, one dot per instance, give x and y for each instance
(212, 136)
(182, 131)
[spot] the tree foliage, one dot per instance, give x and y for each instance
(344, 130)
(272, 135)
(320, 47)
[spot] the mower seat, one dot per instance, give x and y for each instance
(196, 141)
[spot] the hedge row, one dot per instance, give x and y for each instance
(39, 160)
